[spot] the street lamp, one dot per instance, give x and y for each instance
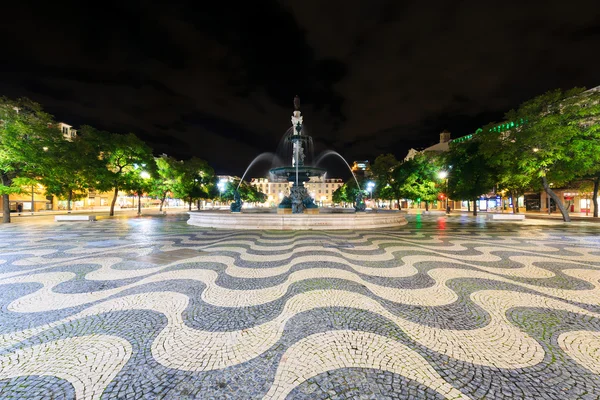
(221, 186)
(143, 175)
(370, 186)
(444, 175)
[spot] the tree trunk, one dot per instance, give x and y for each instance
(426, 205)
(190, 204)
(468, 205)
(399, 204)
(114, 201)
(475, 207)
(5, 209)
(595, 196)
(198, 204)
(6, 181)
(553, 196)
(162, 201)
(514, 201)
(139, 203)
(69, 201)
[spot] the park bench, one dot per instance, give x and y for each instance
(59, 218)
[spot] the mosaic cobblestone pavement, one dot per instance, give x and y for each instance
(440, 308)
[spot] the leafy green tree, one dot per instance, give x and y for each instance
(503, 157)
(469, 174)
(163, 182)
(250, 194)
(382, 170)
(68, 169)
(123, 158)
(387, 193)
(417, 179)
(560, 141)
(25, 131)
(194, 181)
(140, 180)
(339, 195)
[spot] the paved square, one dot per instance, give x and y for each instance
(444, 307)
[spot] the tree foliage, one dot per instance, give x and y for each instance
(417, 179)
(194, 180)
(165, 178)
(382, 170)
(469, 173)
(559, 143)
(347, 193)
(123, 158)
(25, 131)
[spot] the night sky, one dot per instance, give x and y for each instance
(216, 79)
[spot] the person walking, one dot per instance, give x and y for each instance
(19, 208)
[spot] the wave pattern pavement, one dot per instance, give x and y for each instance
(155, 308)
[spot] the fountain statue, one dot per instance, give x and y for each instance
(299, 200)
(360, 203)
(236, 206)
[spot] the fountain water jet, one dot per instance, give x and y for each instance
(259, 157)
(331, 152)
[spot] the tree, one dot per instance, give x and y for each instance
(140, 180)
(339, 195)
(194, 179)
(560, 141)
(417, 179)
(387, 193)
(249, 193)
(596, 180)
(503, 157)
(469, 173)
(69, 170)
(164, 180)
(382, 170)
(25, 131)
(122, 158)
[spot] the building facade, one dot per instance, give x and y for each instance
(320, 189)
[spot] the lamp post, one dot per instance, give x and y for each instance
(143, 175)
(444, 175)
(221, 186)
(370, 186)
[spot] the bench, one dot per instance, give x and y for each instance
(506, 217)
(58, 218)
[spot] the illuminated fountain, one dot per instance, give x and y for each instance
(299, 200)
(298, 210)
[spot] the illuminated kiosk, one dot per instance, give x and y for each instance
(298, 210)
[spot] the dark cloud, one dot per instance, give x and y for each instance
(216, 79)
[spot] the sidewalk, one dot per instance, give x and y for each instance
(538, 215)
(555, 216)
(103, 213)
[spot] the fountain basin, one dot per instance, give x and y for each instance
(273, 221)
(304, 172)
